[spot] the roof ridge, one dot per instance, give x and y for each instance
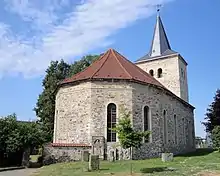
(107, 53)
(120, 62)
(165, 34)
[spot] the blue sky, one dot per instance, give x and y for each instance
(34, 32)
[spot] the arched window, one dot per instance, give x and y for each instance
(146, 121)
(111, 122)
(175, 128)
(151, 72)
(159, 73)
(184, 132)
(190, 133)
(165, 126)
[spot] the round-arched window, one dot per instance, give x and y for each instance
(159, 72)
(151, 72)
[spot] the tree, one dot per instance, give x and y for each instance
(213, 113)
(82, 64)
(9, 134)
(56, 72)
(45, 106)
(127, 136)
(216, 137)
(17, 136)
(32, 134)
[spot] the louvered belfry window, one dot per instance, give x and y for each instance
(111, 122)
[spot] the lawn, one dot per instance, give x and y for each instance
(201, 163)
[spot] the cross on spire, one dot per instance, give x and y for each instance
(158, 8)
(160, 45)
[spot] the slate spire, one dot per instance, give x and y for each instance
(160, 45)
(160, 42)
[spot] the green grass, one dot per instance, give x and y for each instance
(201, 161)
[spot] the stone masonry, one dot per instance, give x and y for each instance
(174, 73)
(72, 114)
(158, 101)
(73, 152)
(78, 118)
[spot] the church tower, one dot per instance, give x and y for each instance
(165, 64)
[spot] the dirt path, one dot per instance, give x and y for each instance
(22, 172)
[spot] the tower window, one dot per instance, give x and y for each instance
(159, 73)
(151, 72)
(111, 122)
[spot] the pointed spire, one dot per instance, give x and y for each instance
(160, 42)
(160, 45)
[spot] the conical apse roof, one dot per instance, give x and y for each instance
(112, 65)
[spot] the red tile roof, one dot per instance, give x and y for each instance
(69, 145)
(112, 65)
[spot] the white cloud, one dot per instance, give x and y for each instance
(62, 29)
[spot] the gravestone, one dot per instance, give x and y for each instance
(112, 156)
(98, 146)
(116, 154)
(121, 155)
(167, 157)
(26, 157)
(85, 155)
(93, 162)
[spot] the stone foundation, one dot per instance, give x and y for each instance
(74, 153)
(66, 153)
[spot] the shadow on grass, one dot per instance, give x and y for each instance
(103, 169)
(198, 152)
(156, 169)
(34, 165)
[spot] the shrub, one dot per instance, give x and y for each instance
(49, 159)
(40, 151)
(216, 137)
(40, 159)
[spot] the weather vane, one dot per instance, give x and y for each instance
(158, 7)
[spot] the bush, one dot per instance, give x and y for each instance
(40, 151)
(216, 137)
(40, 159)
(63, 159)
(49, 159)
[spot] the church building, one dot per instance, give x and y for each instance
(154, 89)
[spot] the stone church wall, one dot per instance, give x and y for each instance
(81, 112)
(171, 73)
(184, 93)
(103, 93)
(73, 108)
(70, 153)
(158, 101)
